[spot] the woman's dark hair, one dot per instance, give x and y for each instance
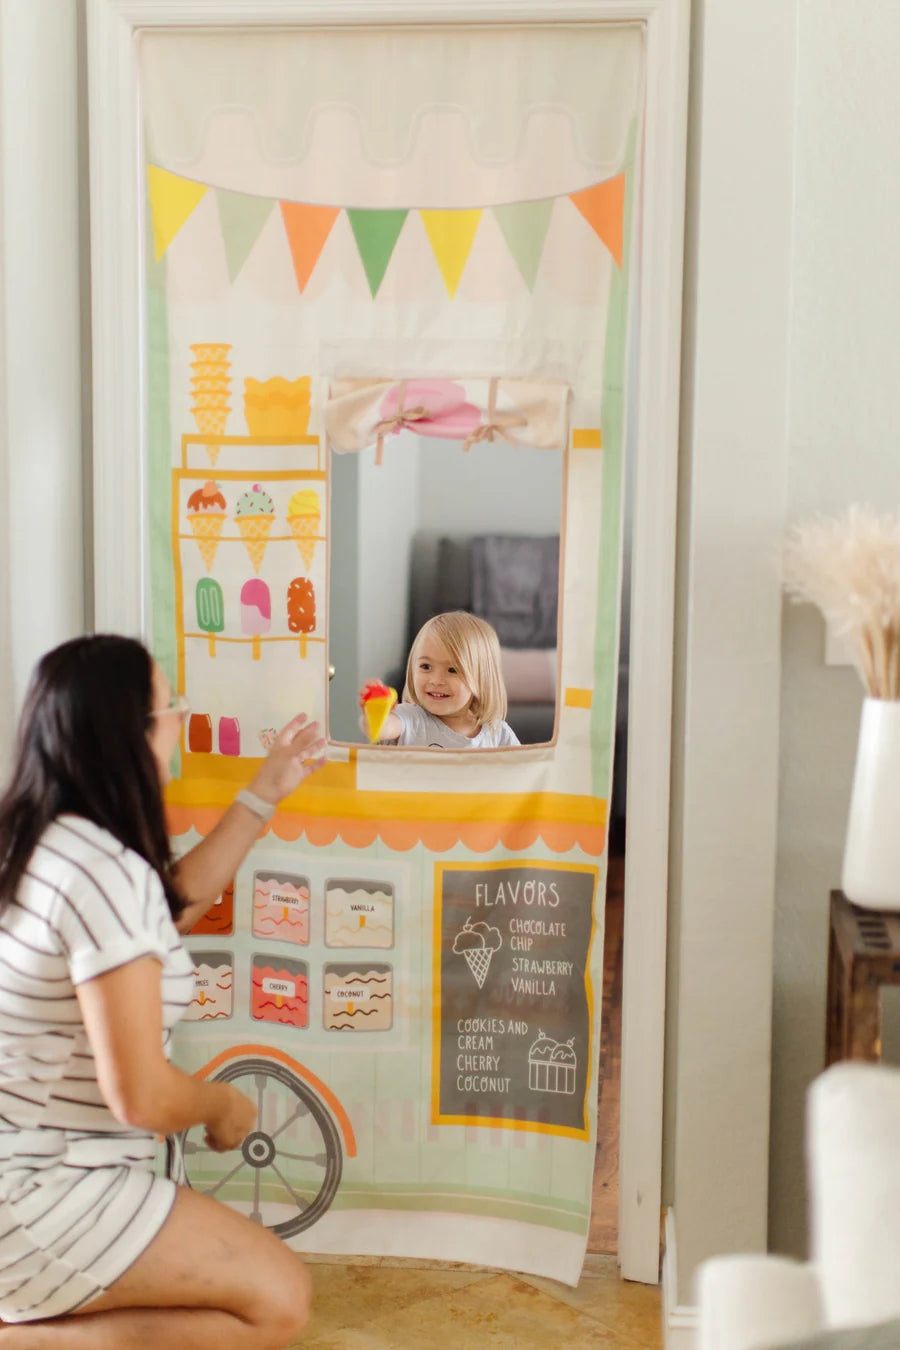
(82, 747)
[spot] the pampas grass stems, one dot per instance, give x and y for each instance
(849, 567)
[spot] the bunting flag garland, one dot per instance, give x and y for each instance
(243, 218)
(451, 231)
(307, 228)
(525, 226)
(451, 234)
(172, 201)
(376, 234)
(603, 207)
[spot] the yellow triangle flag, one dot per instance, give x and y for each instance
(451, 234)
(172, 200)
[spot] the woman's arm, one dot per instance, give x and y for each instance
(204, 872)
(122, 1012)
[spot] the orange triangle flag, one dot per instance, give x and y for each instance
(603, 207)
(307, 228)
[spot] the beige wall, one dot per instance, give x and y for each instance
(844, 448)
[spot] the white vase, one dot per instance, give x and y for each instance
(871, 876)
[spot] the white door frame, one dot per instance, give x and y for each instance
(116, 234)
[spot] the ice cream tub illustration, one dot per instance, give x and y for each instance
(213, 987)
(552, 1065)
(281, 906)
(219, 918)
(359, 997)
(280, 990)
(359, 913)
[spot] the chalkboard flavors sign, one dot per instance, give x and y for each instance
(514, 1009)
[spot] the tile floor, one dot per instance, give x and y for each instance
(370, 1303)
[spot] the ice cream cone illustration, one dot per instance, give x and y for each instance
(477, 942)
(211, 384)
(479, 962)
(254, 514)
(303, 514)
(206, 515)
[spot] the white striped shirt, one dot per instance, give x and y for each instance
(86, 905)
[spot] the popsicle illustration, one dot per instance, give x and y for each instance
(210, 610)
(378, 700)
(301, 610)
(256, 611)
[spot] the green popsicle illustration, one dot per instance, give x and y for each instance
(210, 609)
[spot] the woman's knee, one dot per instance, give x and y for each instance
(284, 1297)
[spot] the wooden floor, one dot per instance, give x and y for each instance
(604, 1230)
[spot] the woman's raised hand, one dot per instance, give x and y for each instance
(295, 754)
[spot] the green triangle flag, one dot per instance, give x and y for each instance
(525, 226)
(243, 218)
(376, 234)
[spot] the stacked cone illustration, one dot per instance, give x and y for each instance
(303, 515)
(206, 516)
(254, 514)
(211, 386)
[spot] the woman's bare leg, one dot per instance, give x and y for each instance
(210, 1278)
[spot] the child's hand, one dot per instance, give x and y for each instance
(372, 689)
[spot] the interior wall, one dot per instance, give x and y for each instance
(41, 320)
(732, 491)
(845, 411)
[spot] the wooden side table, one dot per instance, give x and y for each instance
(863, 955)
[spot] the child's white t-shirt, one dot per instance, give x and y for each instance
(419, 727)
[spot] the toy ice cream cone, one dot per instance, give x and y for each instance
(479, 961)
(254, 514)
(304, 515)
(378, 702)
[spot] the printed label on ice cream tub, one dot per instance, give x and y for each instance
(353, 993)
(283, 987)
(288, 898)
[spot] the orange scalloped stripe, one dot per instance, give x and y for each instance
(437, 836)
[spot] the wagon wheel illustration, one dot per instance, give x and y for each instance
(294, 1133)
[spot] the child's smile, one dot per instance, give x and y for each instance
(439, 687)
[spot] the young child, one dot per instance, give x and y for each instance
(454, 697)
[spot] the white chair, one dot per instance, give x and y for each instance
(853, 1277)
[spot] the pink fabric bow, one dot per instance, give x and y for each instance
(496, 424)
(397, 420)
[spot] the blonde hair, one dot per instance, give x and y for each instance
(474, 649)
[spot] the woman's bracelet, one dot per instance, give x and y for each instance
(265, 810)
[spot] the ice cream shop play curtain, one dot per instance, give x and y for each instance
(355, 237)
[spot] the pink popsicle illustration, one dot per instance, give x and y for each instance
(256, 611)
